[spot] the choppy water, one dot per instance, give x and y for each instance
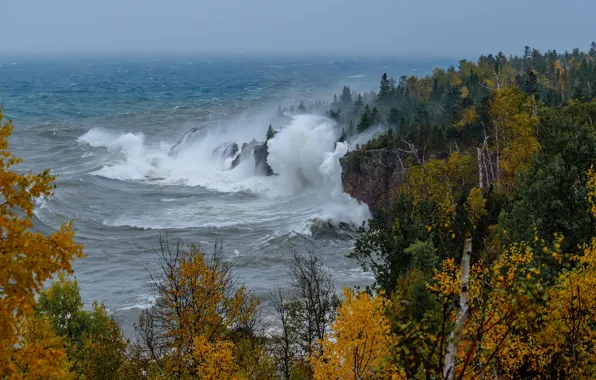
(105, 126)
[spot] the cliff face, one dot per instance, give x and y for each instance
(371, 175)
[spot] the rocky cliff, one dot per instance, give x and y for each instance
(370, 175)
(258, 151)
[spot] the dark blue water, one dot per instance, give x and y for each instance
(105, 127)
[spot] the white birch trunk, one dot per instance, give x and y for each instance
(480, 168)
(462, 315)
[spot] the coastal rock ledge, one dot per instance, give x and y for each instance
(370, 175)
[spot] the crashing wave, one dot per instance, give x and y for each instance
(304, 155)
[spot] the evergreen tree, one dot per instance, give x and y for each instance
(384, 89)
(270, 132)
(351, 129)
(593, 49)
(301, 107)
(359, 103)
(393, 117)
(365, 120)
(375, 117)
(346, 97)
(334, 114)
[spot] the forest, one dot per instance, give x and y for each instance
(484, 256)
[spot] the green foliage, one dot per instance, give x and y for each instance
(95, 345)
(270, 133)
(423, 256)
(552, 196)
(346, 97)
(353, 160)
(365, 121)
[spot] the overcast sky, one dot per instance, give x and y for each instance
(353, 27)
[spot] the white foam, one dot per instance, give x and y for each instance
(304, 154)
(146, 302)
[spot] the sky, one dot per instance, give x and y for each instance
(297, 27)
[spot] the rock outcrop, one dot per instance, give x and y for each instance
(258, 153)
(246, 152)
(370, 175)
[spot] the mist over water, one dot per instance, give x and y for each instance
(133, 143)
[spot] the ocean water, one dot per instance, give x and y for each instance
(105, 127)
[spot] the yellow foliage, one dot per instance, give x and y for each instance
(441, 182)
(360, 345)
(214, 360)
(464, 92)
(592, 188)
(514, 134)
(468, 117)
(569, 335)
(28, 258)
(200, 308)
(475, 206)
(40, 353)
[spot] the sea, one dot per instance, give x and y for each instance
(107, 126)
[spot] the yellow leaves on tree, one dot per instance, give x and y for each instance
(201, 314)
(214, 360)
(441, 182)
(360, 344)
(475, 206)
(41, 354)
(27, 258)
(502, 299)
(592, 188)
(514, 134)
(567, 341)
(468, 117)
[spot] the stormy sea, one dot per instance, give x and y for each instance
(148, 145)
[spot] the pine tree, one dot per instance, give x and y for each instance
(334, 114)
(270, 133)
(384, 89)
(359, 103)
(393, 117)
(346, 97)
(375, 117)
(593, 49)
(365, 120)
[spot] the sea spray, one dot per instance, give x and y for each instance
(304, 155)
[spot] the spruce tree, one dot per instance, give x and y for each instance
(384, 89)
(359, 103)
(393, 117)
(346, 97)
(270, 132)
(375, 117)
(365, 121)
